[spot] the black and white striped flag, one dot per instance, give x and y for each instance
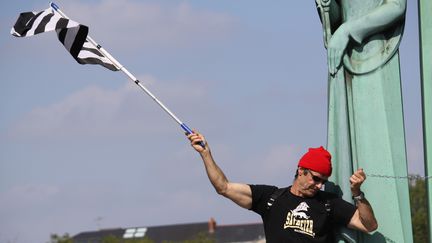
(70, 33)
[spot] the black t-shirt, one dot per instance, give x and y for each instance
(296, 219)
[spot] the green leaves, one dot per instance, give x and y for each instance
(419, 210)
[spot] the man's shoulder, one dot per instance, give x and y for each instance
(268, 190)
(263, 187)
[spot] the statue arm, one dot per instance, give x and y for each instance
(358, 29)
(377, 20)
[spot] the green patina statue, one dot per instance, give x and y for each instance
(365, 116)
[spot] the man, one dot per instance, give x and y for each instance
(302, 212)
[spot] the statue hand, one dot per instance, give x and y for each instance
(336, 48)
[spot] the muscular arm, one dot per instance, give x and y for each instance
(239, 193)
(363, 218)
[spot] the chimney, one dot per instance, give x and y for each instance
(211, 225)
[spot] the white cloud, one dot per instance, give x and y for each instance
(134, 24)
(97, 111)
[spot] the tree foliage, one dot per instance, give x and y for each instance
(419, 210)
(114, 239)
(65, 238)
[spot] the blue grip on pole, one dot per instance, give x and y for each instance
(186, 128)
(189, 131)
(54, 6)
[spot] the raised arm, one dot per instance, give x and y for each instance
(239, 193)
(364, 218)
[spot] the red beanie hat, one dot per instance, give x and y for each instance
(317, 159)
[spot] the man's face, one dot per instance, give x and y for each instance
(310, 182)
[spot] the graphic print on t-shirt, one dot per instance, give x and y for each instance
(299, 221)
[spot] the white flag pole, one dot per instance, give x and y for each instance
(133, 78)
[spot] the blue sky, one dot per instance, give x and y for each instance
(78, 143)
